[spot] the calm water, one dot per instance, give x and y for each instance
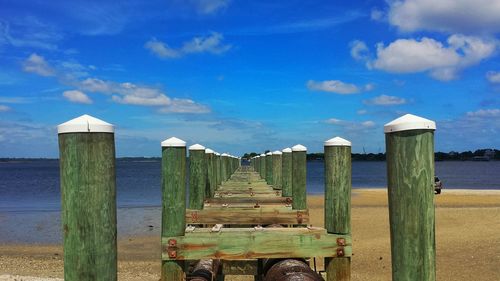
(29, 193)
(34, 185)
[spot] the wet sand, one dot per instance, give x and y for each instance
(467, 238)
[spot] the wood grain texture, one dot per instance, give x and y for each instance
(338, 269)
(269, 169)
(410, 174)
(250, 216)
(286, 174)
(197, 178)
(338, 189)
(211, 175)
(244, 243)
(88, 194)
(173, 204)
(277, 171)
(299, 180)
(263, 168)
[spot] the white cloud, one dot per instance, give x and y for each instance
(334, 121)
(376, 14)
(204, 44)
(4, 108)
(337, 87)
(37, 64)
(210, 6)
(359, 50)
(493, 76)
(385, 100)
(184, 106)
(77, 97)
(452, 16)
(352, 126)
(368, 124)
(428, 55)
(362, 111)
(484, 113)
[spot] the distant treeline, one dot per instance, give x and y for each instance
(478, 155)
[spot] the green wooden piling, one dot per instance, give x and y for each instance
(410, 175)
(338, 201)
(218, 170)
(277, 162)
(286, 172)
(197, 176)
(88, 195)
(211, 173)
(224, 164)
(299, 157)
(263, 166)
(173, 201)
(269, 168)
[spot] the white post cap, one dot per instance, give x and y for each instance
(337, 141)
(209, 151)
(196, 147)
(299, 147)
(409, 122)
(224, 154)
(85, 124)
(263, 155)
(173, 142)
(258, 156)
(217, 154)
(287, 150)
(269, 153)
(277, 152)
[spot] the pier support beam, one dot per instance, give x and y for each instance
(197, 176)
(263, 166)
(410, 174)
(299, 165)
(173, 183)
(286, 172)
(269, 168)
(277, 162)
(88, 194)
(211, 173)
(338, 201)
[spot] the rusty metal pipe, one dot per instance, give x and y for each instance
(204, 270)
(291, 270)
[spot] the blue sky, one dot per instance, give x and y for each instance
(241, 76)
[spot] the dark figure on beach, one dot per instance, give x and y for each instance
(437, 185)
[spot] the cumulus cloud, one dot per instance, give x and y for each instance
(37, 64)
(337, 87)
(204, 44)
(493, 77)
(351, 126)
(385, 100)
(359, 50)
(77, 97)
(484, 113)
(210, 6)
(452, 16)
(4, 108)
(442, 62)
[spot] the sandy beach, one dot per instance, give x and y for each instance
(467, 238)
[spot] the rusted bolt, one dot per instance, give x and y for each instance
(299, 217)
(194, 216)
(288, 200)
(277, 193)
(172, 254)
(172, 242)
(252, 194)
(340, 252)
(257, 205)
(341, 241)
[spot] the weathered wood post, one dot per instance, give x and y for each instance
(277, 169)
(211, 172)
(218, 167)
(173, 200)
(410, 174)
(263, 166)
(257, 163)
(197, 176)
(88, 193)
(299, 162)
(224, 164)
(286, 172)
(269, 168)
(338, 201)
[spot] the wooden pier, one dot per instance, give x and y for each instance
(246, 220)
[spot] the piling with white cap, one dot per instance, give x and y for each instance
(410, 174)
(224, 166)
(263, 166)
(88, 195)
(218, 169)
(197, 176)
(269, 168)
(211, 173)
(286, 172)
(338, 199)
(299, 162)
(173, 200)
(277, 162)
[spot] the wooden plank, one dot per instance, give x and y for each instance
(246, 205)
(245, 243)
(247, 216)
(251, 200)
